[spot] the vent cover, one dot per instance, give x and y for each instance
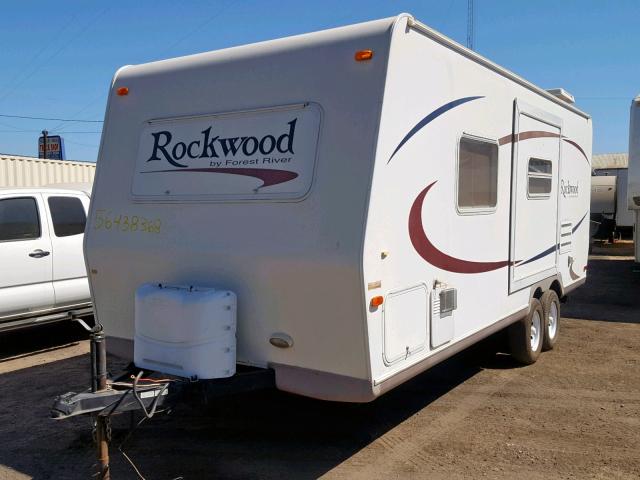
(448, 300)
(443, 303)
(562, 94)
(566, 237)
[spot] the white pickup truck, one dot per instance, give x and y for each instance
(42, 270)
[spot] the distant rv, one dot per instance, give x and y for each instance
(633, 188)
(423, 198)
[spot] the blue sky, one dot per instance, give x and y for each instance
(58, 57)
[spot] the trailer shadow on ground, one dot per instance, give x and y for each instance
(611, 292)
(274, 435)
(283, 435)
(287, 436)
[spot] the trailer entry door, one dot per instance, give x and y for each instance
(534, 196)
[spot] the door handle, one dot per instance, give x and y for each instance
(39, 253)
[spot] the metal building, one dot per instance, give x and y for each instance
(19, 171)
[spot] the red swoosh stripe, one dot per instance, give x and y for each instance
(539, 134)
(430, 252)
(526, 136)
(571, 142)
(268, 176)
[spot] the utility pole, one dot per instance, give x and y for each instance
(44, 144)
(470, 33)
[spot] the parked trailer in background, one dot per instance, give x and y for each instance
(356, 204)
(610, 179)
(633, 190)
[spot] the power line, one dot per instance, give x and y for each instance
(81, 144)
(171, 47)
(202, 25)
(55, 54)
(29, 64)
(50, 131)
(24, 117)
(470, 22)
(61, 126)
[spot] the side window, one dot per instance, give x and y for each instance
(68, 216)
(19, 219)
(477, 174)
(539, 178)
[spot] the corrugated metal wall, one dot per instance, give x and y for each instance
(16, 171)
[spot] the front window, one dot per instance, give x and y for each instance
(477, 174)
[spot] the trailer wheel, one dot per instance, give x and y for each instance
(551, 307)
(526, 335)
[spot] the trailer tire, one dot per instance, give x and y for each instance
(526, 335)
(551, 307)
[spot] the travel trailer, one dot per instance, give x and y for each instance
(633, 188)
(609, 195)
(345, 208)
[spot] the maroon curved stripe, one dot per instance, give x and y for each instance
(430, 252)
(526, 136)
(578, 147)
(539, 134)
(572, 274)
(268, 176)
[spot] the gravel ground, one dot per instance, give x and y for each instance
(573, 414)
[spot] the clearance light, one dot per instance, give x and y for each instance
(377, 301)
(122, 91)
(363, 55)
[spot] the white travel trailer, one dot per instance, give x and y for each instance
(376, 197)
(633, 187)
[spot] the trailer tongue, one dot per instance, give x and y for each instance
(155, 392)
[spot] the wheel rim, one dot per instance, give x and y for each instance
(553, 321)
(536, 330)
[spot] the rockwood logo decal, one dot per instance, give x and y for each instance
(567, 189)
(211, 146)
(247, 155)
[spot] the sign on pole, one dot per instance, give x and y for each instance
(55, 147)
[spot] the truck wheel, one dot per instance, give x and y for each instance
(551, 308)
(526, 335)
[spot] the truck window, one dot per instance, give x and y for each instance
(477, 174)
(68, 216)
(539, 176)
(19, 219)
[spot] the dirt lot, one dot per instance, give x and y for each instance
(574, 414)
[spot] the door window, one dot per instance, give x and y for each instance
(68, 215)
(19, 219)
(539, 178)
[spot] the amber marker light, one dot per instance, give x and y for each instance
(122, 91)
(363, 55)
(377, 301)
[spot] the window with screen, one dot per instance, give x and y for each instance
(19, 219)
(68, 216)
(539, 178)
(477, 174)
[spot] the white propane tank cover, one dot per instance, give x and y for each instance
(185, 331)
